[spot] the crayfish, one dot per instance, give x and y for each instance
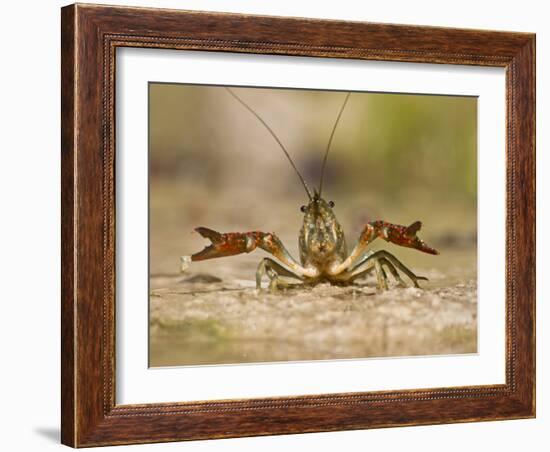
(322, 244)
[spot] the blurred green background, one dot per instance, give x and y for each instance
(396, 157)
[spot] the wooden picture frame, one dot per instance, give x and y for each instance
(90, 36)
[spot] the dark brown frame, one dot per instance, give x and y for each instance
(90, 34)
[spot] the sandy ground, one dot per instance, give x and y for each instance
(202, 318)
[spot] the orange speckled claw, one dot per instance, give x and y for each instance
(402, 235)
(226, 244)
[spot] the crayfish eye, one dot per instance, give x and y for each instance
(303, 208)
(331, 204)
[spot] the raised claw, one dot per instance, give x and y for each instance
(227, 244)
(233, 243)
(400, 235)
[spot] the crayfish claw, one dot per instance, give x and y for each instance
(208, 252)
(214, 236)
(228, 244)
(416, 242)
(400, 235)
(421, 246)
(413, 228)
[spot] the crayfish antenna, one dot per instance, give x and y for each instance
(324, 164)
(274, 135)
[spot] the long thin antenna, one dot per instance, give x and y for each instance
(330, 142)
(242, 102)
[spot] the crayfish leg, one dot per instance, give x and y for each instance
(274, 271)
(377, 261)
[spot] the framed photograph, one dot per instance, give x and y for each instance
(281, 225)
